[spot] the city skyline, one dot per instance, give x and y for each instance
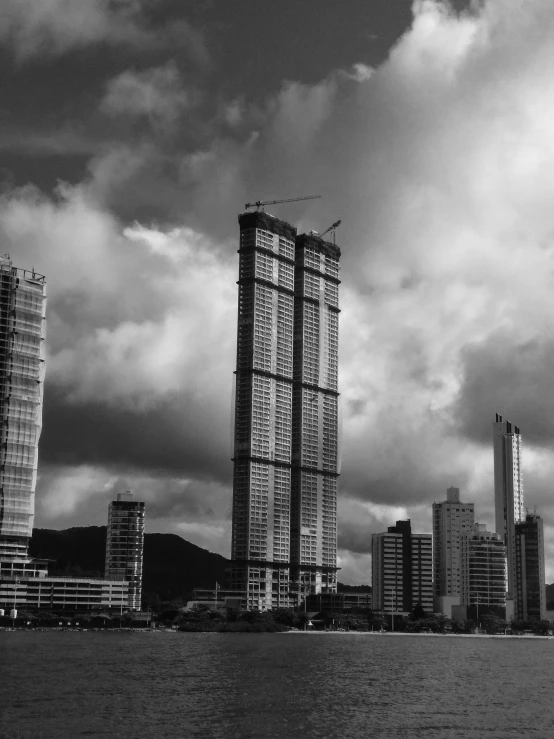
(128, 149)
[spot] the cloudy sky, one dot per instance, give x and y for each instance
(133, 132)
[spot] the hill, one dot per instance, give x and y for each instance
(172, 566)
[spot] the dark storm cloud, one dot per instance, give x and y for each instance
(510, 377)
(166, 437)
(355, 537)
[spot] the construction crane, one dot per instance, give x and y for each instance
(261, 203)
(331, 228)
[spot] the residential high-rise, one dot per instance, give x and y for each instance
(287, 344)
(401, 570)
(530, 589)
(315, 417)
(125, 545)
(508, 490)
(260, 549)
(483, 569)
(452, 520)
(22, 333)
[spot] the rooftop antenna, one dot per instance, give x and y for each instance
(262, 203)
(332, 228)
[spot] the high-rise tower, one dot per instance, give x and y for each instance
(125, 545)
(22, 333)
(508, 491)
(452, 520)
(315, 417)
(263, 412)
(285, 448)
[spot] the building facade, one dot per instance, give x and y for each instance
(285, 424)
(483, 570)
(508, 491)
(344, 601)
(260, 550)
(63, 595)
(401, 570)
(530, 588)
(452, 520)
(22, 333)
(315, 417)
(125, 545)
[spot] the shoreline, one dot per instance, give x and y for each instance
(412, 633)
(158, 630)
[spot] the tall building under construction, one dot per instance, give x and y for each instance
(22, 333)
(285, 438)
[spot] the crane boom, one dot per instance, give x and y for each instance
(331, 228)
(261, 203)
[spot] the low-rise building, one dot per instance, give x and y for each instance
(217, 599)
(343, 601)
(63, 595)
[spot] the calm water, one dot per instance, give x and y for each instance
(265, 686)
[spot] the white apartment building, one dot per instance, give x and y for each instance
(452, 520)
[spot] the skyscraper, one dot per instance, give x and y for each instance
(125, 545)
(401, 570)
(484, 570)
(260, 550)
(22, 332)
(508, 490)
(530, 589)
(287, 343)
(451, 521)
(315, 417)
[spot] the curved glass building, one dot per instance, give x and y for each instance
(22, 333)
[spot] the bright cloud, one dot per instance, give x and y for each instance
(155, 94)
